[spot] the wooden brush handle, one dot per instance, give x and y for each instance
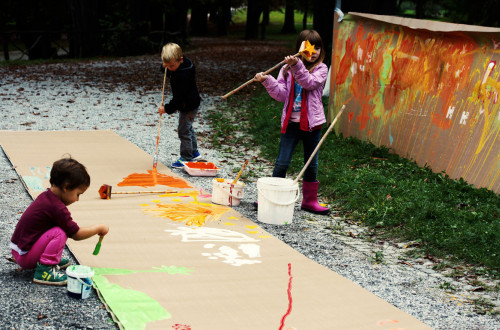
(253, 79)
(319, 145)
(240, 172)
(163, 89)
(155, 159)
(145, 192)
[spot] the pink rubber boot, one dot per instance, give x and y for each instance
(310, 199)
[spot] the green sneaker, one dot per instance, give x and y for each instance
(64, 263)
(49, 274)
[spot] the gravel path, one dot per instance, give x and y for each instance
(79, 96)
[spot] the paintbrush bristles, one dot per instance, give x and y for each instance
(105, 191)
(307, 49)
(98, 246)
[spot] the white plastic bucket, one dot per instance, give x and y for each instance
(276, 198)
(227, 193)
(79, 281)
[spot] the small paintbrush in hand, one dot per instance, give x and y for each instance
(98, 246)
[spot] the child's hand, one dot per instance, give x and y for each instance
(86, 232)
(340, 13)
(103, 230)
(260, 77)
(291, 60)
(161, 110)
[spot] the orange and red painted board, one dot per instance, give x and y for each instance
(427, 90)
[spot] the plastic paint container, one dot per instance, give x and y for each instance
(276, 197)
(79, 281)
(224, 192)
(201, 168)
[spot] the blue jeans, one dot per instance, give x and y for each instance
(288, 143)
(189, 144)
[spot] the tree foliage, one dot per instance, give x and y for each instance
(129, 27)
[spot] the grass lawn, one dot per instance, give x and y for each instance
(273, 30)
(393, 196)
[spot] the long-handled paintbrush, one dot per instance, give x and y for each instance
(240, 172)
(155, 160)
(105, 191)
(98, 246)
(306, 49)
(319, 145)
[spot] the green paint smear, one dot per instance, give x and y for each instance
(134, 309)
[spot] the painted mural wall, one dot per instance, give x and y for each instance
(427, 90)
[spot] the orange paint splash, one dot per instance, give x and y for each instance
(192, 214)
(201, 165)
(151, 179)
(384, 322)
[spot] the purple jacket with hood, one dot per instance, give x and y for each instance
(313, 83)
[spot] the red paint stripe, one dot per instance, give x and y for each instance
(289, 291)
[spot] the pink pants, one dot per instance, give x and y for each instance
(48, 249)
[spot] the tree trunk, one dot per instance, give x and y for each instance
(289, 24)
(254, 10)
(199, 18)
(5, 44)
(176, 22)
(385, 7)
(223, 17)
(265, 21)
(323, 24)
(304, 19)
(33, 19)
(139, 16)
(84, 39)
(420, 8)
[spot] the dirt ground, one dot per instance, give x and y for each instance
(221, 65)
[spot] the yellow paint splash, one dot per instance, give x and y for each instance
(229, 224)
(194, 194)
(192, 213)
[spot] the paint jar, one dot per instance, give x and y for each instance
(276, 197)
(79, 281)
(224, 192)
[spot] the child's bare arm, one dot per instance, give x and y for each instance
(86, 232)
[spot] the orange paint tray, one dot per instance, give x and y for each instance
(201, 168)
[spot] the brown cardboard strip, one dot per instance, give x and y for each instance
(231, 273)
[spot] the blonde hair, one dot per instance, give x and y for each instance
(171, 52)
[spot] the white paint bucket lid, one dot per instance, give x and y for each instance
(79, 271)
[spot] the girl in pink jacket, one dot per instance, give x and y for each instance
(300, 86)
